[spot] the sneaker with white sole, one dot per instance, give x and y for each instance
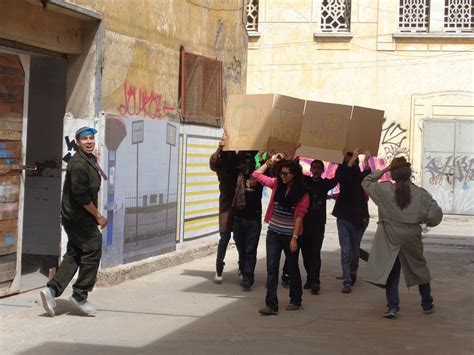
(218, 278)
(390, 314)
(429, 309)
(49, 303)
(84, 306)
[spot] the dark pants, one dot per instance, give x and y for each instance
(311, 244)
(350, 236)
(221, 251)
(391, 290)
(285, 272)
(276, 243)
(84, 249)
(246, 237)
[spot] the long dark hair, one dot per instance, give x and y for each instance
(298, 189)
(401, 173)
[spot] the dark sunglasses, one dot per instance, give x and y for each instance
(284, 173)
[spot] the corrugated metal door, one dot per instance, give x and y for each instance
(448, 163)
(12, 83)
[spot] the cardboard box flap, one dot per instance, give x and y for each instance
(288, 103)
(246, 123)
(325, 125)
(365, 129)
(332, 155)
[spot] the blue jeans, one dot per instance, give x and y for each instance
(246, 237)
(391, 290)
(276, 243)
(350, 236)
(221, 250)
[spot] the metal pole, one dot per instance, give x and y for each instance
(111, 196)
(168, 188)
(136, 203)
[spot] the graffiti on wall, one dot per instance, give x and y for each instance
(233, 71)
(143, 102)
(393, 137)
(219, 32)
(459, 168)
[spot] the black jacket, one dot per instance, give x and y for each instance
(81, 187)
(351, 204)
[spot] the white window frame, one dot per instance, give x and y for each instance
(436, 25)
(320, 33)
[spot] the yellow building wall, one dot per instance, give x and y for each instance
(142, 47)
(370, 68)
(141, 59)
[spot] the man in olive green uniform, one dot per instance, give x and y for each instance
(80, 219)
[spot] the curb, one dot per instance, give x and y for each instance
(116, 275)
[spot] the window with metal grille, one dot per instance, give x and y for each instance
(201, 88)
(414, 15)
(252, 16)
(335, 16)
(459, 15)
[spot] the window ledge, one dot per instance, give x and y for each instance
(342, 35)
(431, 35)
(253, 34)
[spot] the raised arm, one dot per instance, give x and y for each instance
(371, 186)
(214, 160)
(262, 179)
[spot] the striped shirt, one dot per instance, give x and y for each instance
(282, 220)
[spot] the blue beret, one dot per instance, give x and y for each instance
(85, 131)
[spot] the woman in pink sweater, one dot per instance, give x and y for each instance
(286, 210)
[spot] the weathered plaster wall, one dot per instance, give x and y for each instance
(141, 50)
(370, 69)
(140, 73)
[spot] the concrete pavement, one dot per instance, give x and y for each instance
(180, 310)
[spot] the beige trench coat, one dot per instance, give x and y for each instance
(399, 232)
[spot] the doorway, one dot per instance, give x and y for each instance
(448, 163)
(32, 108)
(42, 191)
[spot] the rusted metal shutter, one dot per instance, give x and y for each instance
(12, 81)
(201, 89)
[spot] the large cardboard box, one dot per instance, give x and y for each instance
(365, 129)
(311, 129)
(268, 121)
(324, 131)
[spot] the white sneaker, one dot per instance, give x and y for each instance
(48, 301)
(218, 279)
(84, 306)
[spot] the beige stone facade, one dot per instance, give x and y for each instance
(367, 59)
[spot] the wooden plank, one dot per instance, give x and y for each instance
(6, 164)
(10, 125)
(8, 60)
(10, 150)
(9, 188)
(10, 135)
(8, 237)
(10, 180)
(8, 275)
(7, 267)
(9, 194)
(9, 211)
(10, 169)
(11, 116)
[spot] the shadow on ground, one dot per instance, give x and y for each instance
(330, 323)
